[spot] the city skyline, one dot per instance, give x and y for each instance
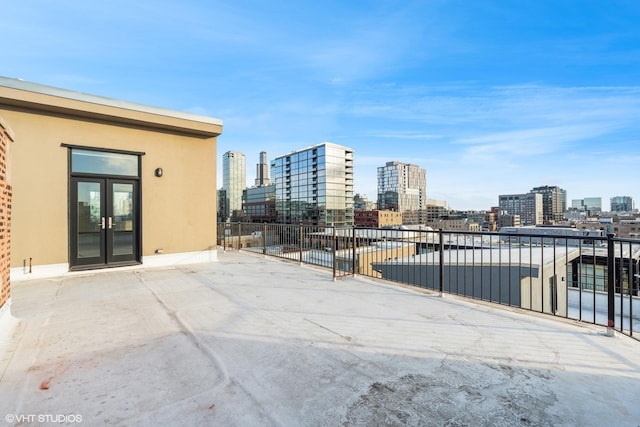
(252, 183)
(490, 98)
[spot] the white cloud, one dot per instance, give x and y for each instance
(405, 134)
(529, 142)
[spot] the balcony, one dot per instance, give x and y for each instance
(255, 340)
(564, 277)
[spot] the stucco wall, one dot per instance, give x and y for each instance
(178, 209)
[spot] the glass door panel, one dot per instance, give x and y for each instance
(122, 219)
(88, 222)
(89, 219)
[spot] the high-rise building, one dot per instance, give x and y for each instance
(621, 204)
(259, 201)
(591, 205)
(234, 180)
(509, 221)
(554, 203)
(403, 188)
(259, 204)
(315, 185)
(528, 206)
(362, 203)
(262, 170)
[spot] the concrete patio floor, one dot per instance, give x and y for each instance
(249, 341)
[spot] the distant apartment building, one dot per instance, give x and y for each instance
(620, 225)
(362, 203)
(495, 210)
(574, 215)
(554, 203)
(622, 204)
(436, 209)
(377, 218)
(507, 220)
(528, 206)
(490, 222)
(403, 188)
(495, 217)
(627, 228)
(457, 224)
(234, 180)
(486, 220)
(590, 205)
(315, 185)
(259, 204)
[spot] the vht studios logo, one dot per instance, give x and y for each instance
(43, 418)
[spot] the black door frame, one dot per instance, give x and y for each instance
(106, 257)
(105, 260)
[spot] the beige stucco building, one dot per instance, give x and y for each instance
(98, 182)
(462, 224)
(377, 218)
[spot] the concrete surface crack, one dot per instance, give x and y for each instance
(345, 337)
(187, 332)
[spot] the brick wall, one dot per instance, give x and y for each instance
(6, 137)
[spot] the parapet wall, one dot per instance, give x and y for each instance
(6, 138)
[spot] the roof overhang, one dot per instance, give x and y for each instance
(40, 98)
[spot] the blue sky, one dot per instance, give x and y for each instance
(490, 96)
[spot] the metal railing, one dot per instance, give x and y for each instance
(564, 276)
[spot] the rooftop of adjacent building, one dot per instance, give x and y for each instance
(313, 147)
(255, 341)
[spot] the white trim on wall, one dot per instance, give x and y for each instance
(19, 274)
(210, 255)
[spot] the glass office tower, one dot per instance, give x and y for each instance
(403, 188)
(315, 185)
(234, 180)
(622, 204)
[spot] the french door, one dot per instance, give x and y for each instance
(104, 222)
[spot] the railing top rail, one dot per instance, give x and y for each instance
(408, 232)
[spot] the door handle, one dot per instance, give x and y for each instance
(102, 223)
(110, 223)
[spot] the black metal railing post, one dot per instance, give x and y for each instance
(224, 237)
(611, 285)
(239, 235)
(300, 243)
(264, 239)
(333, 252)
(353, 252)
(441, 266)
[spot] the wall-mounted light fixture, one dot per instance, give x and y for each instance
(158, 172)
